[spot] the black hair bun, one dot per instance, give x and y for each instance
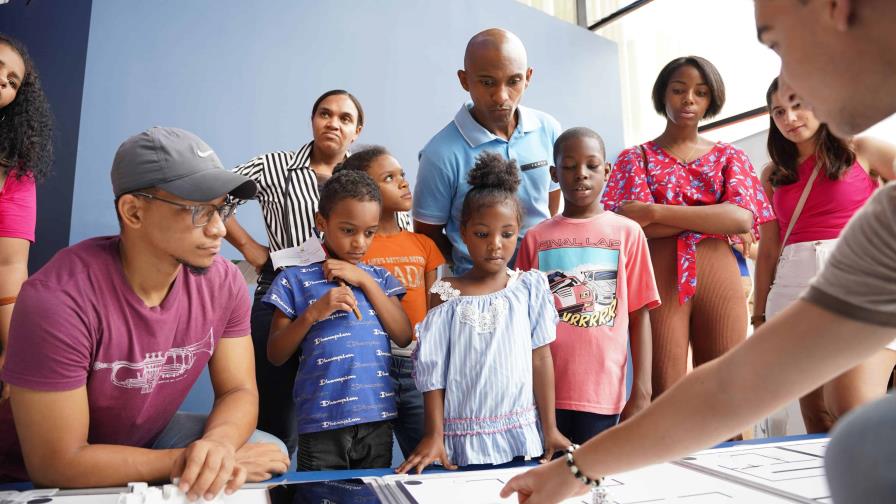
(492, 171)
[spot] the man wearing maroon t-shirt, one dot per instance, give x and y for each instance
(108, 338)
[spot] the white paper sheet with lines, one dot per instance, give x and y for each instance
(794, 469)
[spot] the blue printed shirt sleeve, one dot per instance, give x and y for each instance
(283, 296)
(390, 285)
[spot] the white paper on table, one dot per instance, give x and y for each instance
(793, 468)
(660, 484)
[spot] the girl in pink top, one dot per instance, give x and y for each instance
(798, 144)
(689, 195)
(26, 152)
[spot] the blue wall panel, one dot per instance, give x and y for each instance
(243, 75)
(55, 33)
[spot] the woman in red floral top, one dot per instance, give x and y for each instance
(691, 196)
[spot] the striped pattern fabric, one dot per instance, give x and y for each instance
(288, 194)
(479, 350)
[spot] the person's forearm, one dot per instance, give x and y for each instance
(554, 201)
(661, 231)
(764, 278)
(543, 385)
(12, 276)
(721, 218)
(434, 413)
(642, 353)
(766, 264)
(435, 233)
(392, 316)
(238, 236)
(789, 356)
(284, 342)
(233, 417)
(104, 466)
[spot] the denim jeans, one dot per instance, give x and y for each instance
(409, 424)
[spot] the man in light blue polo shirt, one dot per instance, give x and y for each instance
(496, 73)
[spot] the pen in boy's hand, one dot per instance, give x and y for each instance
(355, 309)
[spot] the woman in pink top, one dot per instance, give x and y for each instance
(26, 152)
(798, 144)
(689, 195)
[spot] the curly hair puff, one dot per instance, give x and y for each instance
(26, 124)
(493, 181)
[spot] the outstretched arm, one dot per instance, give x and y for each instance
(790, 355)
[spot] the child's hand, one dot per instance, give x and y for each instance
(554, 441)
(635, 404)
(345, 271)
(337, 298)
(430, 449)
(638, 211)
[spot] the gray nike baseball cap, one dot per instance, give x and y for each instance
(178, 162)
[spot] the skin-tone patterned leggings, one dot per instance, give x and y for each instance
(713, 321)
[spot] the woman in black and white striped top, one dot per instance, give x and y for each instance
(288, 194)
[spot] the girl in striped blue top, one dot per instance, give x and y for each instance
(483, 361)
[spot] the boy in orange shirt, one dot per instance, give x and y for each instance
(413, 259)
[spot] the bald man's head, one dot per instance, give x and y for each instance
(494, 40)
(496, 73)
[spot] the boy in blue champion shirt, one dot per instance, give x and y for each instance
(339, 315)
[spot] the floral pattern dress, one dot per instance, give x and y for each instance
(724, 174)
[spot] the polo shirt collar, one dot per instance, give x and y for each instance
(475, 134)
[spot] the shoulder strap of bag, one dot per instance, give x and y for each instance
(799, 206)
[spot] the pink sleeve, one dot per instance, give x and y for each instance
(743, 188)
(641, 284)
(525, 257)
(238, 320)
(628, 181)
(18, 208)
(50, 340)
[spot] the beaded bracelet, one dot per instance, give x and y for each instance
(598, 493)
(574, 469)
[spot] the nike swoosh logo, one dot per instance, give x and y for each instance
(204, 154)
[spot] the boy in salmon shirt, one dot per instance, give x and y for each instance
(600, 274)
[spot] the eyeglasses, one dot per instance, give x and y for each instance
(202, 213)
